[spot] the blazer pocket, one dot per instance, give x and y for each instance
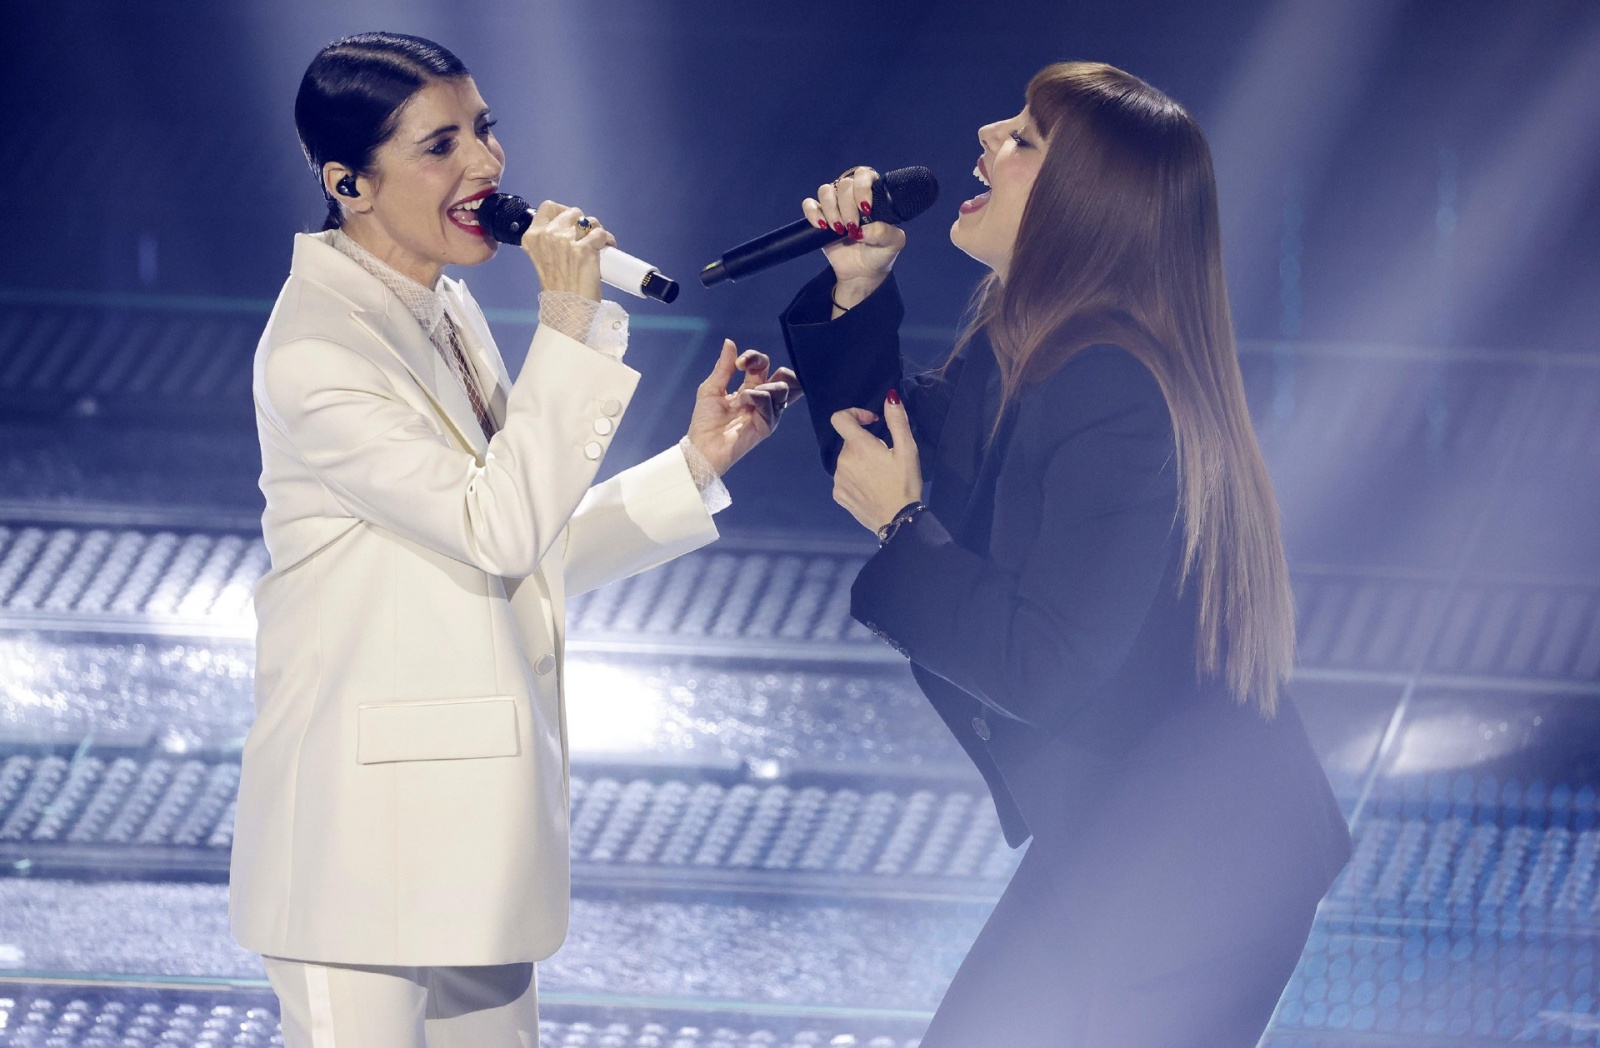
(445, 730)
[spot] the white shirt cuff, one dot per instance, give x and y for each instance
(608, 332)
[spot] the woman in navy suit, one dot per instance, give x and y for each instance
(1093, 595)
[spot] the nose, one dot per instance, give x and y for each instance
(487, 163)
(990, 135)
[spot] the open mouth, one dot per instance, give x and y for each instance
(981, 173)
(464, 213)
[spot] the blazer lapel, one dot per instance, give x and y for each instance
(396, 328)
(480, 348)
(976, 523)
(967, 466)
(375, 308)
(959, 456)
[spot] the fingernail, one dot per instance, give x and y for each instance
(854, 231)
(838, 227)
(893, 396)
(822, 223)
(866, 209)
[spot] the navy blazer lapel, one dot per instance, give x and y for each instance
(976, 524)
(960, 457)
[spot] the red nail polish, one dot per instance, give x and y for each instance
(854, 231)
(866, 209)
(838, 227)
(893, 396)
(822, 223)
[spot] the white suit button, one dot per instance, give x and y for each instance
(980, 727)
(545, 665)
(612, 407)
(604, 426)
(593, 450)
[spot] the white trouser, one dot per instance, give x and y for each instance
(359, 1006)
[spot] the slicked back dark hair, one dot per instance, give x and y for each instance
(350, 98)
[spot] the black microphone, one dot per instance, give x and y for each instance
(897, 197)
(507, 217)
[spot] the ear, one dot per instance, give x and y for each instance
(332, 175)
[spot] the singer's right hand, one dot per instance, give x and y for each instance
(861, 261)
(567, 258)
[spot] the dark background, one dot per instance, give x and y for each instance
(1391, 171)
(1416, 174)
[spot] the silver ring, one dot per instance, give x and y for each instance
(585, 222)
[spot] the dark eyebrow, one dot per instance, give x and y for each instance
(449, 128)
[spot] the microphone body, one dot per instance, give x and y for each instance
(783, 244)
(897, 197)
(507, 217)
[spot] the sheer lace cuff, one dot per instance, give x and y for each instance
(713, 492)
(608, 332)
(568, 313)
(601, 326)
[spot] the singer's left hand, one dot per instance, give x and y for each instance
(874, 480)
(726, 424)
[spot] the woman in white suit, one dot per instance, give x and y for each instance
(400, 853)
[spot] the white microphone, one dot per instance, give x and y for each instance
(507, 217)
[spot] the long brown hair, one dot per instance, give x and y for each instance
(1120, 243)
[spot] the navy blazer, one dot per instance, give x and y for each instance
(1038, 598)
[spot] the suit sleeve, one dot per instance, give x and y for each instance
(852, 362)
(384, 462)
(640, 518)
(1036, 645)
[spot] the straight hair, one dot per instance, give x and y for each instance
(1120, 243)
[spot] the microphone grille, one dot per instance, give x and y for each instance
(505, 216)
(903, 194)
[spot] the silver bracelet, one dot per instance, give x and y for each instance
(899, 520)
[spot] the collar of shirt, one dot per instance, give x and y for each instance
(424, 303)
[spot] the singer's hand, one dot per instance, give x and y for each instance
(567, 258)
(873, 480)
(726, 425)
(861, 261)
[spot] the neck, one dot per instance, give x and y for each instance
(372, 237)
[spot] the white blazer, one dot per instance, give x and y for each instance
(404, 790)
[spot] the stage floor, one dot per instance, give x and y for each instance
(772, 850)
(775, 841)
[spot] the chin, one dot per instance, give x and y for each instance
(962, 239)
(479, 254)
(958, 235)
